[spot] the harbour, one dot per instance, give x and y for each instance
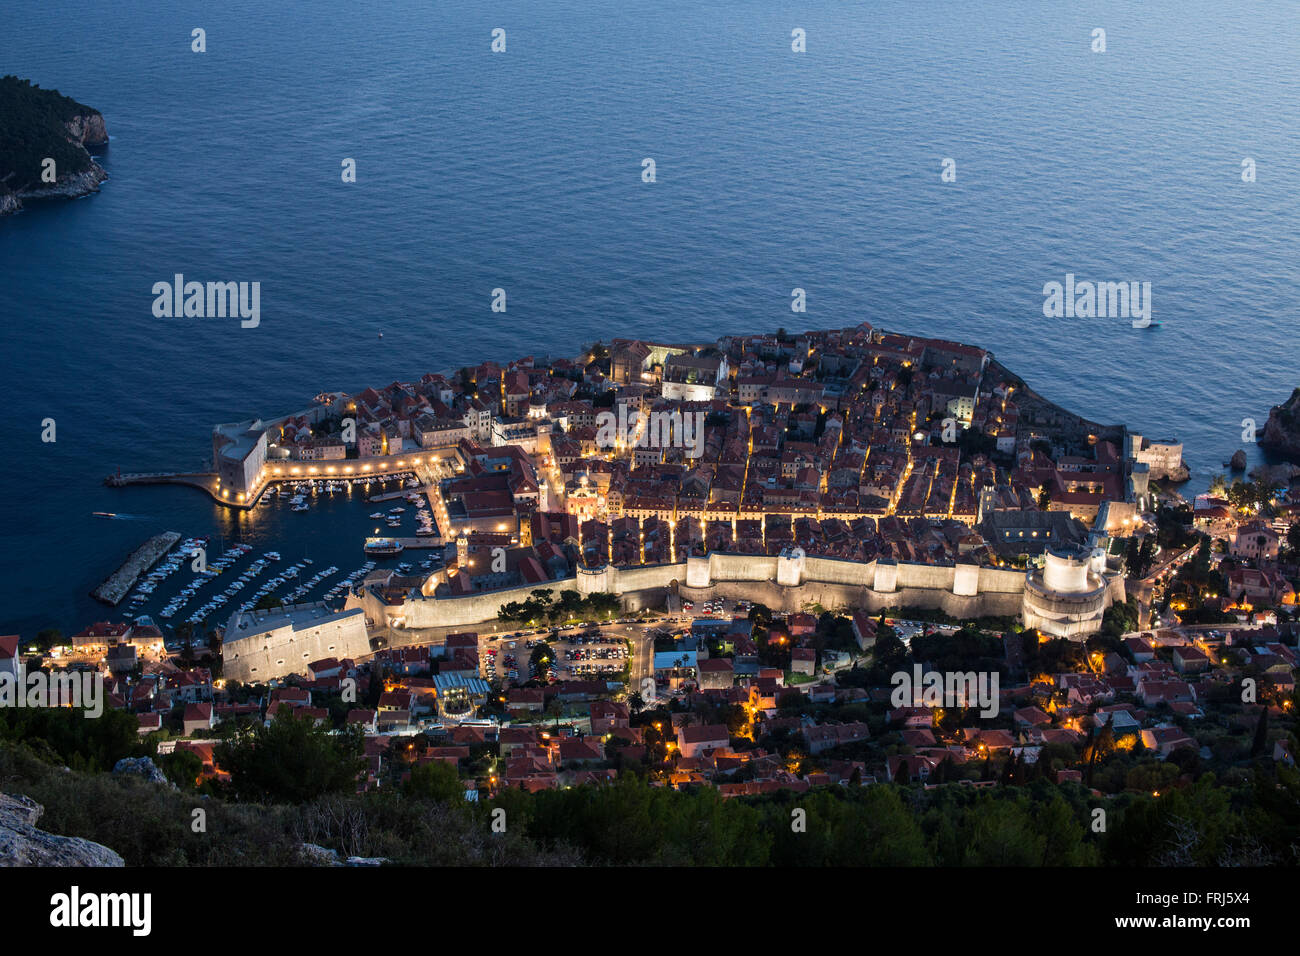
(304, 542)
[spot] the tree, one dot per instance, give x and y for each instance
(570, 603)
(889, 651)
(1261, 734)
(540, 658)
(182, 767)
(554, 708)
(80, 741)
(999, 832)
(47, 638)
(436, 780)
(292, 760)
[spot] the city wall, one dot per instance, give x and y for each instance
(785, 583)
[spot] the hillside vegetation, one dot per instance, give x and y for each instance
(33, 126)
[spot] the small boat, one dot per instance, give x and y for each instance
(103, 514)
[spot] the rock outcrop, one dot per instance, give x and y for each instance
(87, 129)
(141, 767)
(1238, 460)
(22, 844)
(1281, 433)
(312, 854)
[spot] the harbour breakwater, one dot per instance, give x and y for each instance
(141, 560)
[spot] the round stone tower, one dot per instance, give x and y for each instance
(1066, 597)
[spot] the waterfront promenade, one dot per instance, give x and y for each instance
(386, 467)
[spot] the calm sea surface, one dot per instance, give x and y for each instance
(522, 171)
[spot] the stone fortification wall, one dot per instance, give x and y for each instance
(962, 591)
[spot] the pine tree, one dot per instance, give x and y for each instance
(1261, 734)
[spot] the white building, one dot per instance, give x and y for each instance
(263, 645)
(239, 452)
(690, 378)
(1163, 458)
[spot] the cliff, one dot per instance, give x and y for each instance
(37, 125)
(1282, 430)
(22, 844)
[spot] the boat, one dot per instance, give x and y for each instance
(300, 506)
(377, 515)
(383, 546)
(103, 514)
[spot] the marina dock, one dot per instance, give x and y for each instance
(431, 541)
(141, 560)
(399, 493)
(417, 544)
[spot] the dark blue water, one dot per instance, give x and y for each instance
(522, 170)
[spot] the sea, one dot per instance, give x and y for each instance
(524, 170)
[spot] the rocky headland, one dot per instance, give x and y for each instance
(1281, 433)
(37, 126)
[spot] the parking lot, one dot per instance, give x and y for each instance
(591, 651)
(581, 652)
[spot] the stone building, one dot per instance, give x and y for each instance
(260, 645)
